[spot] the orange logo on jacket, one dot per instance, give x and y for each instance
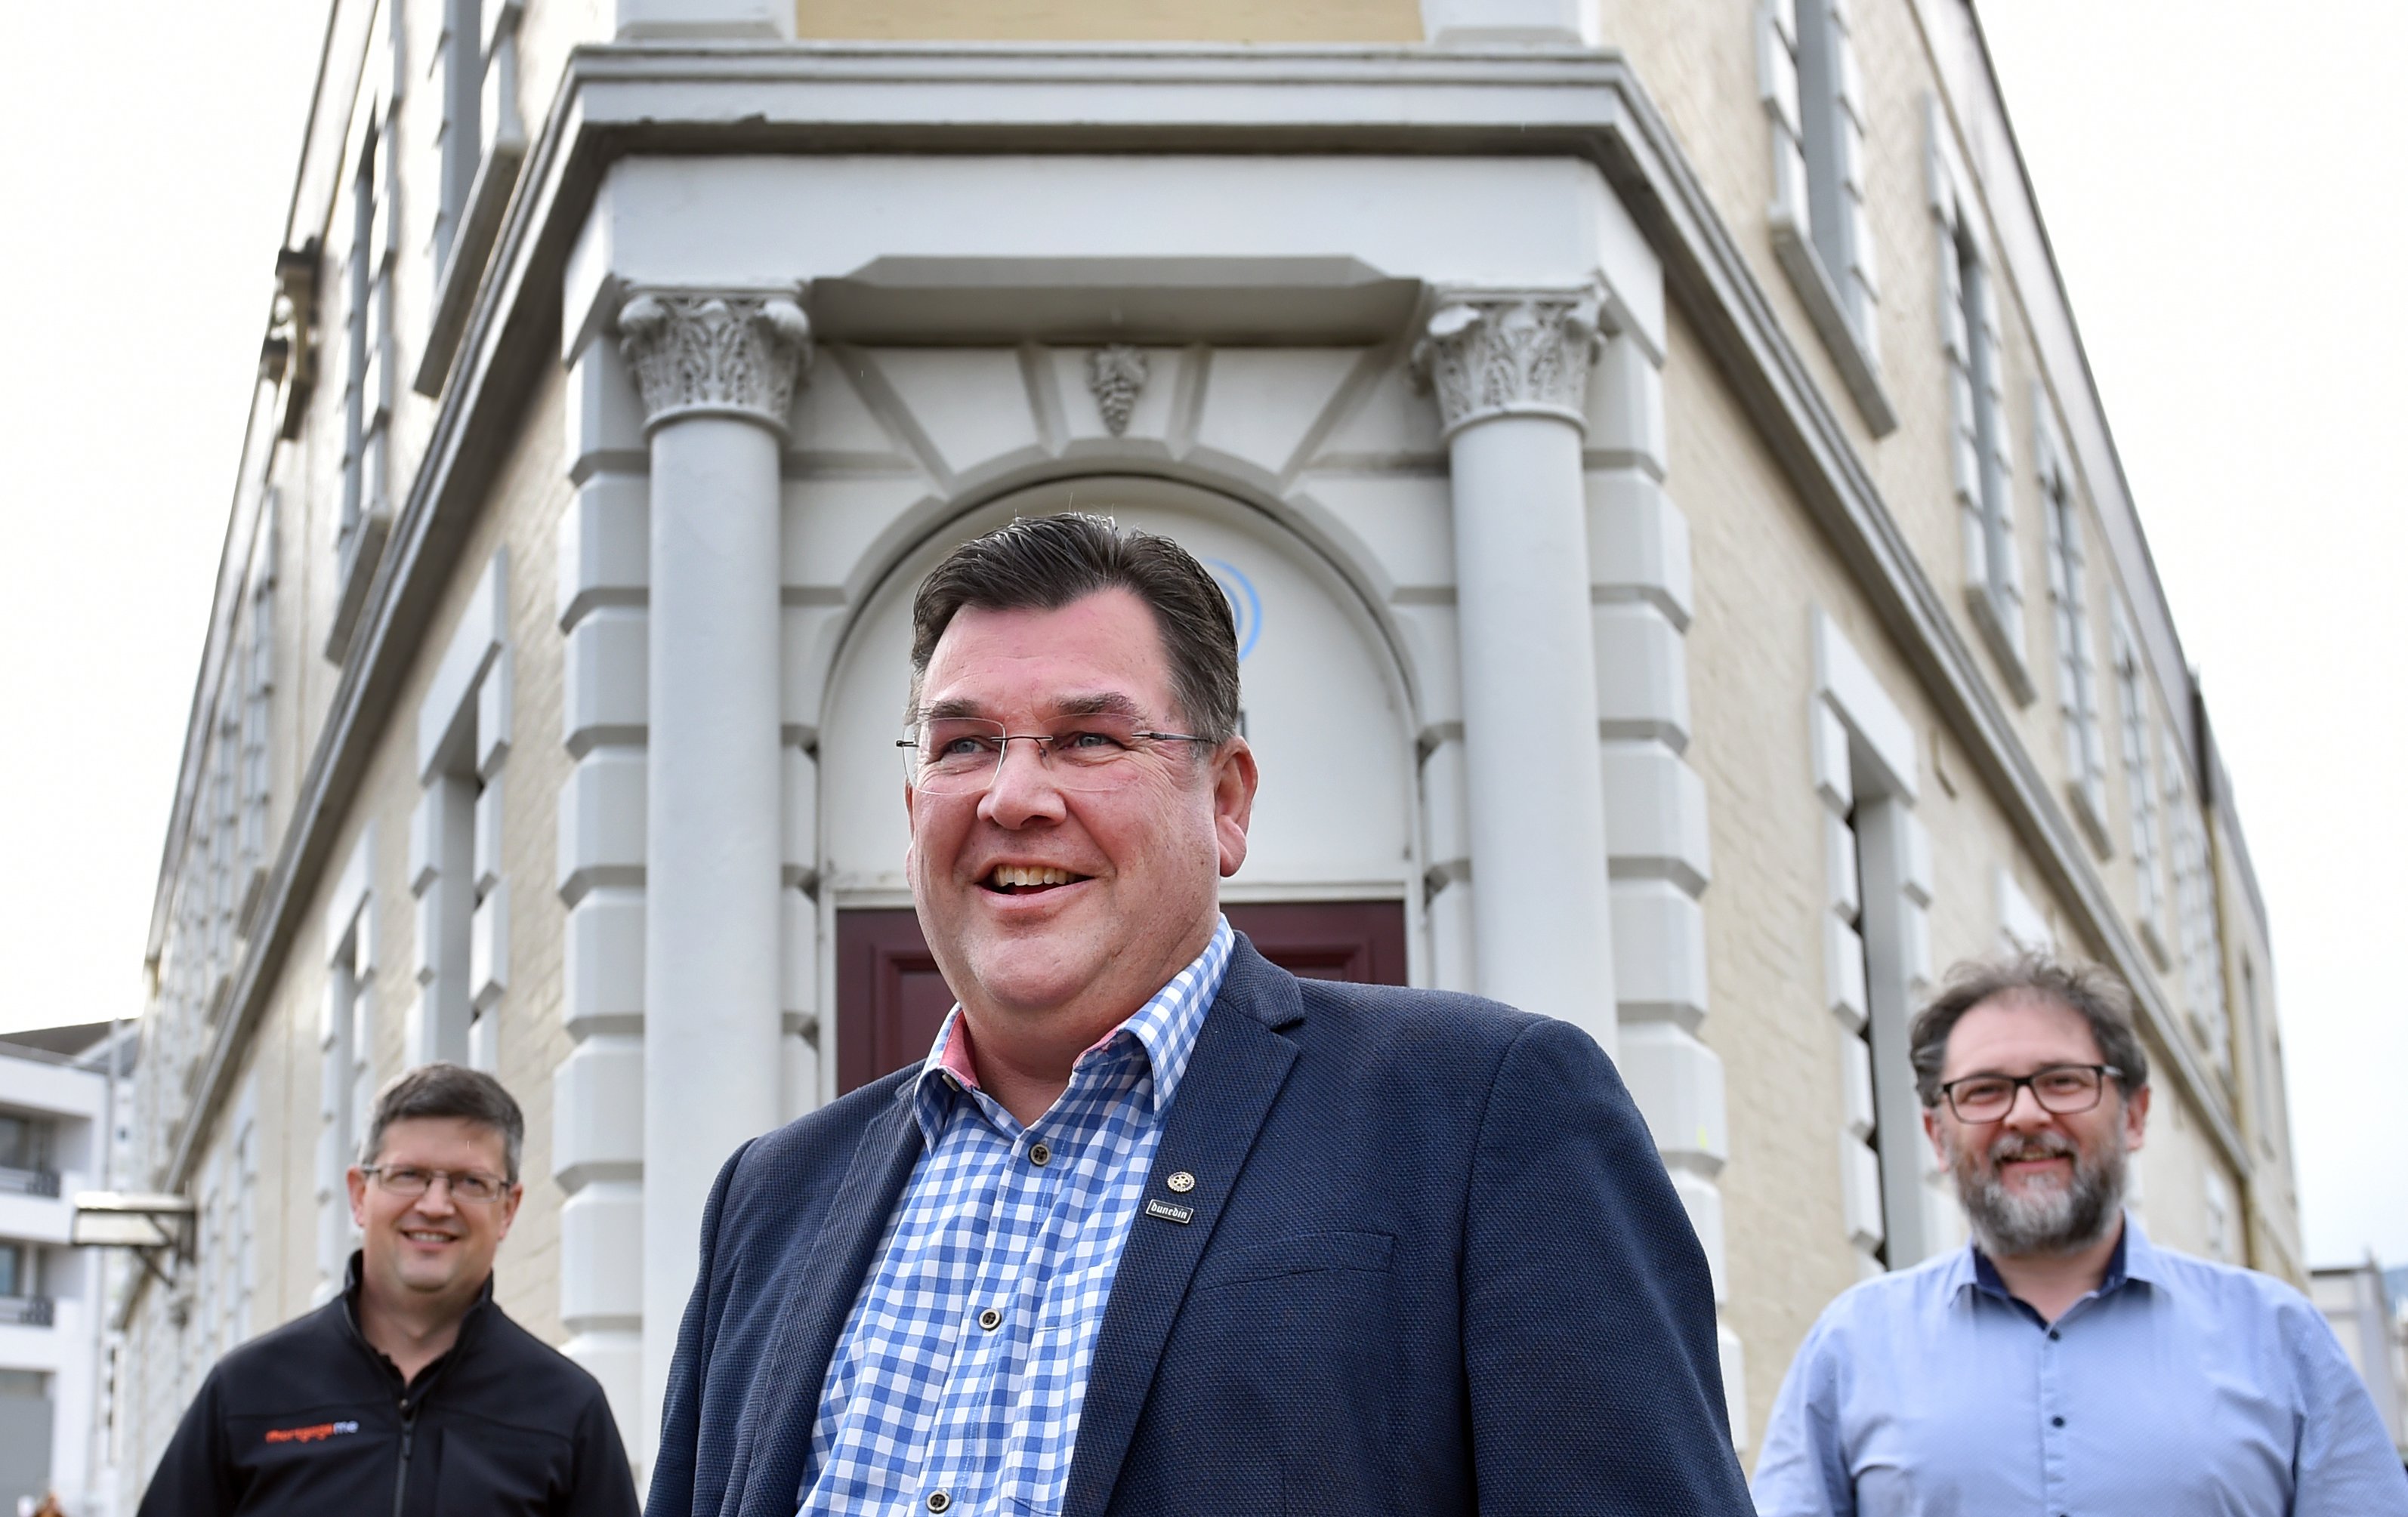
(314, 1433)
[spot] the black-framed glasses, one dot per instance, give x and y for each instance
(960, 755)
(473, 1187)
(2063, 1090)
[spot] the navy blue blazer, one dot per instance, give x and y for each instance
(1435, 1267)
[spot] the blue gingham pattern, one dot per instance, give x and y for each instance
(920, 1397)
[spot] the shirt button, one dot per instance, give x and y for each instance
(1039, 1156)
(939, 1500)
(991, 1319)
(2051, 1335)
(2057, 1421)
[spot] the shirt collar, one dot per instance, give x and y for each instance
(1165, 1029)
(2134, 1259)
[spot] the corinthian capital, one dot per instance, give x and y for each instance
(700, 353)
(1510, 354)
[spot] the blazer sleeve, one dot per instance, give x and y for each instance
(1588, 1325)
(679, 1453)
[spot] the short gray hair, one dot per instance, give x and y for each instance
(2098, 994)
(446, 1090)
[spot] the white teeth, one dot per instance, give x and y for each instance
(1017, 874)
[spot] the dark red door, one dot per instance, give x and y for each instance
(890, 998)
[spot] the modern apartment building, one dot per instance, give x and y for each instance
(53, 1135)
(1686, 581)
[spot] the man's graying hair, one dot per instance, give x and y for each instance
(446, 1090)
(1044, 563)
(2096, 995)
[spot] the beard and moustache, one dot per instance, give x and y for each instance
(2044, 1217)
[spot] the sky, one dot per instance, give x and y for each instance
(2220, 187)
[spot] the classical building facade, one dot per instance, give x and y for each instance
(1685, 577)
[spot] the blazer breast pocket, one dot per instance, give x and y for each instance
(1304, 1254)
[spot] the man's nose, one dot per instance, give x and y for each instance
(2025, 1110)
(437, 1200)
(1023, 789)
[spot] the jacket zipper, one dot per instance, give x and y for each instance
(401, 1476)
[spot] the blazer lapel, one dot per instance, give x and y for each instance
(774, 1436)
(1234, 1072)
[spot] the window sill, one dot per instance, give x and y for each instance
(1858, 367)
(480, 222)
(2090, 813)
(2004, 645)
(355, 567)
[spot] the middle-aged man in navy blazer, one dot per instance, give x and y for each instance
(1157, 1227)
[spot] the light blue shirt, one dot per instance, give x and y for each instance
(2179, 1387)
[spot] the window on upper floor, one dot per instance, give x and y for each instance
(2199, 940)
(2140, 787)
(366, 514)
(2077, 662)
(1815, 95)
(16, 1277)
(483, 141)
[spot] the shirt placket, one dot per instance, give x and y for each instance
(2051, 1400)
(997, 1323)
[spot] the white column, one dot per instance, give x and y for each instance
(717, 372)
(1511, 374)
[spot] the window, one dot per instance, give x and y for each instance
(1815, 95)
(15, 1279)
(482, 142)
(2077, 663)
(1981, 459)
(2199, 940)
(344, 1083)
(258, 676)
(2140, 787)
(366, 514)
(463, 735)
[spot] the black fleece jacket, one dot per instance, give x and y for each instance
(311, 1419)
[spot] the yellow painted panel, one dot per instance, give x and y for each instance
(1110, 20)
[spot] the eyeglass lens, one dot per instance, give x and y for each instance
(465, 1185)
(953, 755)
(2063, 1091)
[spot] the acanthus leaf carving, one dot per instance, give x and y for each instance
(1514, 353)
(715, 352)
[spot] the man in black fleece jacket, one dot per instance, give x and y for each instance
(411, 1392)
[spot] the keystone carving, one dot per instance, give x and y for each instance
(700, 353)
(1116, 375)
(1511, 354)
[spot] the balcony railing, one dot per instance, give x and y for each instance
(15, 1182)
(25, 1310)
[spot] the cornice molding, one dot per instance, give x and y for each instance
(621, 99)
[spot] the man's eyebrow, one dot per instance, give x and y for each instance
(1103, 703)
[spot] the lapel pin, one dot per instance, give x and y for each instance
(1180, 1181)
(1170, 1212)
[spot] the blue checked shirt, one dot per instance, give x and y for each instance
(963, 1363)
(2178, 1386)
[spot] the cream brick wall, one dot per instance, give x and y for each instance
(1761, 567)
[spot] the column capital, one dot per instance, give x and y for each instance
(1510, 353)
(715, 352)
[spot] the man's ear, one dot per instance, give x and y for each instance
(1235, 779)
(1932, 1130)
(2136, 1119)
(358, 1184)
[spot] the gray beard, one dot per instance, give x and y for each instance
(2041, 1220)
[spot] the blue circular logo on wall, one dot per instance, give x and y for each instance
(1245, 603)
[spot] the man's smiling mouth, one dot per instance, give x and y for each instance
(1023, 879)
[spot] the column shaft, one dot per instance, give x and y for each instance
(1540, 909)
(711, 841)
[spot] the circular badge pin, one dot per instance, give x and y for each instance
(1180, 1181)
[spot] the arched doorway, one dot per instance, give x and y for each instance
(1330, 886)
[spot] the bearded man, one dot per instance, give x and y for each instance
(2060, 1364)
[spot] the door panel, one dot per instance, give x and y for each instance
(890, 999)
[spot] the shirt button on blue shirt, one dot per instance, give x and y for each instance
(1039, 1156)
(991, 1319)
(938, 1500)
